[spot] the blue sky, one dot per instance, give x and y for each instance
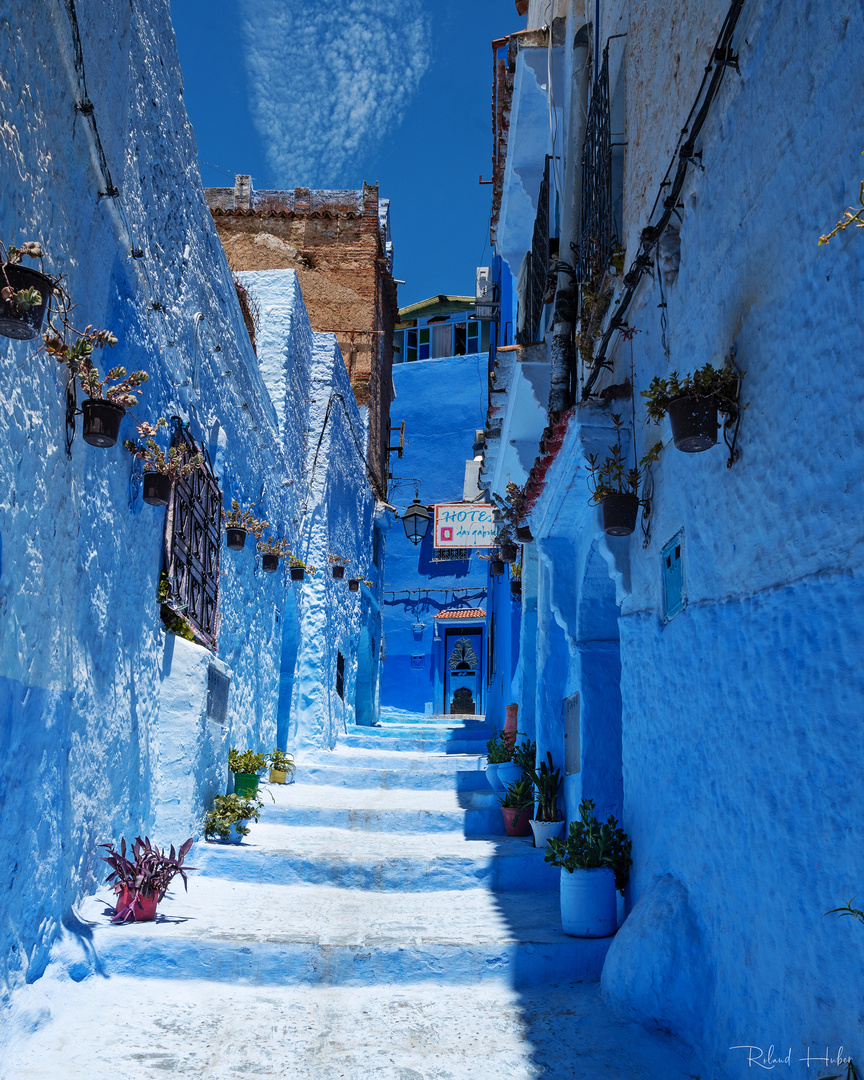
(329, 93)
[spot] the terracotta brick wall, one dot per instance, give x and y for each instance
(333, 241)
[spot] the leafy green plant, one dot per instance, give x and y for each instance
(612, 476)
(24, 298)
(524, 755)
(547, 783)
(176, 462)
(279, 548)
(338, 560)
(518, 796)
(248, 762)
(237, 518)
(173, 622)
(847, 910)
(499, 749)
(281, 761)
(228, 810)
(590, 846)
(720, 384)
(296, 561)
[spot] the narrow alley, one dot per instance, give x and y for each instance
(370, 925)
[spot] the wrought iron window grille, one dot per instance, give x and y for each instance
(451, 554)
(595, 233)
(193, 534)
(538, 266)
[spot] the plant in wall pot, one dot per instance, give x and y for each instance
(24, 292)
(595, 861)
(516, 805)
(271, 552)
(549, 821)
(247, 768)
(281, 765)
(299, 569)
(615, 487)
(105, 406)
(161, 468)
(140, 882)
(226, 819)
(337, 565)
(172, 621)
(516, 579)
(239, 523)
(496, 563)
(693, 403)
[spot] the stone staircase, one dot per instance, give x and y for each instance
(383, 867)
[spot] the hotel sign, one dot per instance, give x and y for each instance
(465, 525)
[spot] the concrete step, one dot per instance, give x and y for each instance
(383, 755)
(396, 810)
(478, 728)
(262, 934)
(376, 738)
(87, 1031)
(347, 775)
(378, 861)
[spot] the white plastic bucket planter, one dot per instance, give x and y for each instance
(588, 905)
(546, 830)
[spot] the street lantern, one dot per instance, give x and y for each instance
(416, 522)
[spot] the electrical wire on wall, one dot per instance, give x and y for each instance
(685, 155)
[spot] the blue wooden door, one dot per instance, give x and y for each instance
(463, 670)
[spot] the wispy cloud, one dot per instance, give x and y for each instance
(328, 79)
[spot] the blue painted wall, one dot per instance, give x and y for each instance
(442, 403)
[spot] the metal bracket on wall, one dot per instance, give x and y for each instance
(733, 420)
(71, 413)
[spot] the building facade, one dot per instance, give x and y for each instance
(698, 678)
(338, 243)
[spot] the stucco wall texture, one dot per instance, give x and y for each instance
(740, 716)
(88, 748)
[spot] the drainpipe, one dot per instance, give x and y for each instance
(561, 347)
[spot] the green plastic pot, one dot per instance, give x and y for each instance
(246, 784)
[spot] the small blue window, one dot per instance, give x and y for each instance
(673, 576)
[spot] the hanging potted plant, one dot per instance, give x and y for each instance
(516, 805)
(615, 487)
(298, 568)
(509, 550)
(247, 768)
(516, 579)
(239, 523)
(496, 563)
(271, 552)
(693, 403)
(595, 861)
(281, 765)
(140, 882)
(354, 584)
(226, 820)
(548, 820)
(24, 292)
(161, 469)
(337, 565)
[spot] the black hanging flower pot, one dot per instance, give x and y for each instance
(157, 488)
(269, 562)
(338, 572)
(298, 573)
(516, 586)
(694, 423)
(101, 421)
(509, 552)
(619, 513)
(236, 538)
(523, 534)
(354, 584)
(498, 567)
(17, 321)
